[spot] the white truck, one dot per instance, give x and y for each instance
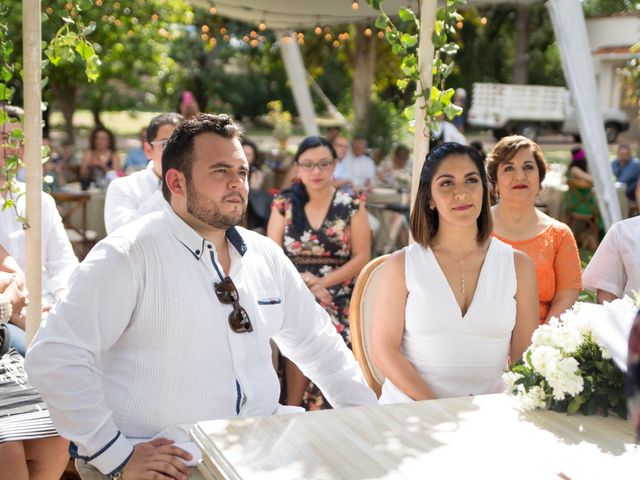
(530, 110)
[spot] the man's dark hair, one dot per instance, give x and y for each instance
(158, 121)
(424, 221)
(178, 152)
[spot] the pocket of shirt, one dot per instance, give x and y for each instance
(269, 301)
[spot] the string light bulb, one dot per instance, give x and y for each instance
(213, 10)
(317, 30)
(355, 5)
(367, 32)
(262, 26)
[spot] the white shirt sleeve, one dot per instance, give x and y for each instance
(59, 259)
(121, 207)
(606, 269)
(62, 362)
(310, 340)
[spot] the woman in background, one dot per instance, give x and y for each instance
(517, 168)
(325, 233)
(100, 158)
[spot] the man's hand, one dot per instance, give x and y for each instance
(156, 459)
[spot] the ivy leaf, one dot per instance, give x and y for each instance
(574, 405)
(450, 48)
(402, 84)
(406, 14)
(5, 93)
(409, 41)
(8, 203)
(68, 20)
(381, 21)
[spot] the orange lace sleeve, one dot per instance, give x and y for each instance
(567, 260)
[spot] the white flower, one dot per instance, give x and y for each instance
(509, 379)
(544, 336)
(534, 398)
(343, 198)
(544, 359)
(569, 339)
(565, 378)
(325, 269)
(305, 237)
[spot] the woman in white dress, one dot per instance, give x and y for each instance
(454, 307)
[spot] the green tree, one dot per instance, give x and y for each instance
(133, 40)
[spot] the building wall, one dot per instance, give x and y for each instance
(616, 31)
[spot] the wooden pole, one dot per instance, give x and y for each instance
(425, 64)
(31, 38)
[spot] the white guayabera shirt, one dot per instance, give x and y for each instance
(142, 343)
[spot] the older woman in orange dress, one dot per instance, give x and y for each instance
(517, 168)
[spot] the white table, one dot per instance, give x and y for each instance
(471, 437)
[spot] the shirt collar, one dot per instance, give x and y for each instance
(192, 240)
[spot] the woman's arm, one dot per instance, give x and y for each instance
(275, 227)
(360, 251)
(562, 301)
(577, 172)
(117, 162)
(527, 305)
(387, 329)
(86, 163)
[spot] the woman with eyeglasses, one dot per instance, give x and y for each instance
(325, 233)
(452, 308)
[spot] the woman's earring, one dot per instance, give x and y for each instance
(432, 206)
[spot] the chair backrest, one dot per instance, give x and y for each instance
(360, 313)
(68, 204)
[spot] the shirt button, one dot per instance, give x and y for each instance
(209, 247)
(197, 252)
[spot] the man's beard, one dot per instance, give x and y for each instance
(208, 211)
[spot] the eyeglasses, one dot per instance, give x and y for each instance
(227, 294)
(161, 143)
(322, 165)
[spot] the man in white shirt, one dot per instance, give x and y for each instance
(341, 177)
(168, 321)
(136, 195)
(360, 167)
(58, 259)
(614, 270)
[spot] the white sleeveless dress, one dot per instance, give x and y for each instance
(457, 355)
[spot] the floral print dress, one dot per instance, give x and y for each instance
(323, 250)
(320, 252)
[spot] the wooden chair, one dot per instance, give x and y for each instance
(581, 213)
(73, 210)
(360, 321)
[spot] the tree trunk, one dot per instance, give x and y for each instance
(521, 64)
(363, 76)
(95, 111)
(66, 100)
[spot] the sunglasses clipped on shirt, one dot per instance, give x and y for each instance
(227, 294)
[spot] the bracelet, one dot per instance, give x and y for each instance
(6, 308)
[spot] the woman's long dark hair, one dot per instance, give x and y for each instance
(298, 192)
(424, 221)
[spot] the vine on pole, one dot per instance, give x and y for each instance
(70, 41)
(403, 38)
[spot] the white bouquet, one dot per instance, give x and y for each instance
(567, 368)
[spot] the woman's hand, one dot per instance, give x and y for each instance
(316, 286)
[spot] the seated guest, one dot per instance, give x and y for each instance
(517, 168)
(614, 270)
(99, 159)
(395, 171)
(136, 157)
(453, 307)
(324, 232)
(30, 447)
(627, 170)
(341, 179)
(58, 259)
(168, 320)
(578, 167)
(131, 197)
(360, 168)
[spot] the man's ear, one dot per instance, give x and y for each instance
(176, 182)
(147, 147)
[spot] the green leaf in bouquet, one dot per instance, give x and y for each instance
(574, 404)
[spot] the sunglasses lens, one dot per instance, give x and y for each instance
(226, 292)
(239, 320)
